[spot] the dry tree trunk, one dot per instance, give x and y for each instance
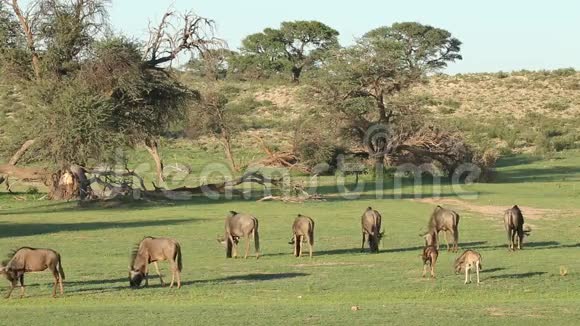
(69, 184)
(28, 33)
(16, 157)
(153, 149)
(226, 143)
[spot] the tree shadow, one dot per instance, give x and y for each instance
(517, 275)
(30, 229)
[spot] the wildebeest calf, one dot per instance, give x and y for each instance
(445, 220)
(430, 253)
(513, 220)
(468, 259)
(28, 259)
(302, 229)
(371, 227)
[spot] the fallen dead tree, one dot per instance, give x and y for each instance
(283, 159)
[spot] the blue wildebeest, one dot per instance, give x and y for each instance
(28, 259)
(371, 227)
(513, 220)
(469, 259)
(430, 253)
(302, 229)
(152, 250)
(445, 220)
(240, 225)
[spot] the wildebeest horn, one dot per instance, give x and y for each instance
(369, 208)
(233, 212)
(299, 215)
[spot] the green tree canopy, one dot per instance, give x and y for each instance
(363, 84)
(294, 46)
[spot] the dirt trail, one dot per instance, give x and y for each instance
(530, 213)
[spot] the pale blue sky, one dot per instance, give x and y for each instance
(497, 35)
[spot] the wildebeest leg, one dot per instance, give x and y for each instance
(301, 245)
(56, 278)
(433, 261)
(466, 273)
(513, 239)
(12, 286)
(477, 270)
(509, 236)
(455, 239)
(310, 243)
(146, 274)
(21, 279)
(520, 237)
(178, 277)
(445, 233)
(362, 248)
(424, 269)
(247, 246)
(173, 270)
(234, 246)
(295, 240)
(158, 273)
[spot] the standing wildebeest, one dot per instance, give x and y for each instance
(371, 227)
(240, 225)
(430, 253)
(302, 229)
(152, 250)
(28, 259)
(513, 221)
(444, 220)
(468, 260)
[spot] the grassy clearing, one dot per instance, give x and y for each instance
(518, 288)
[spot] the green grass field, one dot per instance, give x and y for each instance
(517, 288)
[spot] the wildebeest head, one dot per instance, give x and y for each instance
(458, 266)
(222, 240)
(527, 230)
(135, 278)
(430, 238)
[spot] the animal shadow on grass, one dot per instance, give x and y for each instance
(254, 277)
(474, 244)
(153, 282)
(517, 275)
(493, 270)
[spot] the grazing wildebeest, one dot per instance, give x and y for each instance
(152, 250)
(445, 220)
(513, 221)
(302, 229)
(468, 260)
(430, 253)
(240, 225)
(371, 227)
(28, 259)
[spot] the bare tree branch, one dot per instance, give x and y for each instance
(179, 33)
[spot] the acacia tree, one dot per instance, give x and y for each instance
(362, 84)
(294, 46)
(90, 95)
(213, 116)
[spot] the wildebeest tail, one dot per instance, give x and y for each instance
(178, 257)
(256, 236)
(229, 246)
(297, 245)
(374, 239)
(59, 266)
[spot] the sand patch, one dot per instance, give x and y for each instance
(530, 213)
